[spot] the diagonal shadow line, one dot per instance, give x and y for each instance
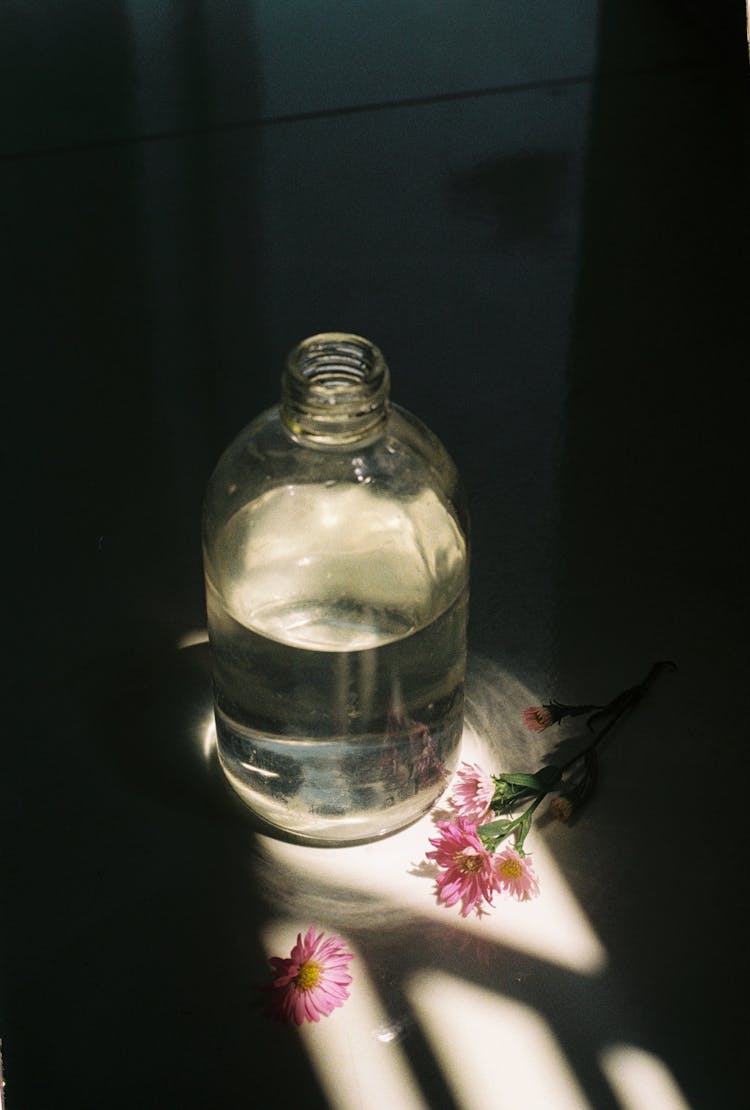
(588, 1007)
(357, 109)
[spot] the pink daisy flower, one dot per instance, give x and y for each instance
(537, 718)
(313, 981)
(468, 873)
(515, 875)
(472, 792)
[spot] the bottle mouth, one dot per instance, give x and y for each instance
(334, 388)
(336, 358)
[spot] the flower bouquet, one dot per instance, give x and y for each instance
(472, 865)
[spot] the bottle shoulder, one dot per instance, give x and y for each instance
(401, 462)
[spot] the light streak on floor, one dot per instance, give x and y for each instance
(496, 1054)
(353, 1050)
(640, 1080)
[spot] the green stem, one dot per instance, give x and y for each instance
(526, 823)
(621, 704)
(494, 832)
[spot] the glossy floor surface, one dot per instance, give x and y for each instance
(538, 211)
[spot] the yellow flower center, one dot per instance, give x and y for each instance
(469, 863)
(511, 868)
(308, 975)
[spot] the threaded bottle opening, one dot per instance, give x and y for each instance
(333, 359)
(334, 388)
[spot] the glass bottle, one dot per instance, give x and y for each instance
(335, 539)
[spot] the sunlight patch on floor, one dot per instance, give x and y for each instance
(496, 1054)
(640, 1081)
(207, 733)
(395, 871)
(352, 1050)
(192, 637)
(552, 927)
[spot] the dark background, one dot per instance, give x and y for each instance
(539, 213)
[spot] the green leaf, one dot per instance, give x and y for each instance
(495, 831)
(539, 783)
(496, 828)
(529, 781)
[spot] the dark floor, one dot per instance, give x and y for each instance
(539, 212)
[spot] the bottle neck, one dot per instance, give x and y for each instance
(334, 389)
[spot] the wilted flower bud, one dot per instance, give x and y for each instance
(562, 807)
(537, 718)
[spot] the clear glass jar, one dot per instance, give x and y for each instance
(335, 541)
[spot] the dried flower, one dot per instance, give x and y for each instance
(313, 981)
(540, 717)
(562, 807)
(468, 874)
(577, 789)
(537, 717)
(516, 875)
(472, 792)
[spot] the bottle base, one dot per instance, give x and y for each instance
(328, 831)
